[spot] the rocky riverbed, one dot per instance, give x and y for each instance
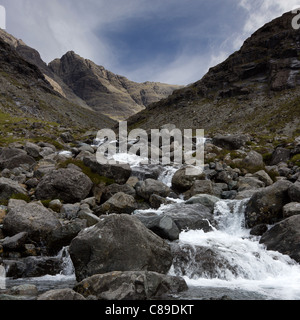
(125, 231)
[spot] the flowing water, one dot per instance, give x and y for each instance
(244, 268)
(237, 266)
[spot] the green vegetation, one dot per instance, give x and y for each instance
(296, 160)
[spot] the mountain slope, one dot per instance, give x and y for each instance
(255, 90)
(25, 92)
(104, 91)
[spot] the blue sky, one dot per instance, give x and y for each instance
(168, 41)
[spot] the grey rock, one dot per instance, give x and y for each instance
(162, 225)
(148, 187)
(264, 177)
(254, 159)
(32, 218)
(284, 237)
(62, 235)
(249, 183)
(266, 205)
(291, 209)
(9, 187)
(115, 188)
(67, 185)
(131, 285)
(24, 290)
(61, 295)
(118, 242)
(12, 158)
(32, 149)
(119, 172)
(182, 182)
(294, 191)
(206, 200)
(231, 142)
(15, 242)
(280, 155)
(118, 203)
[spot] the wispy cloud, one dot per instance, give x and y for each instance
(171, 41)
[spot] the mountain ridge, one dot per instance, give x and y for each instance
(111, 94)
(256, 89)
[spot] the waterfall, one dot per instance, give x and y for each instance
(67, 268)
(230, 257)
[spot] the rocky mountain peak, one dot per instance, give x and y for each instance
(104, 91)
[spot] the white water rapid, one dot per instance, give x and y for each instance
(241, 263)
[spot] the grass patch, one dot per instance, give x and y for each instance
(296, 160)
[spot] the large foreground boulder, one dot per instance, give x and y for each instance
(118, 243)
(284, 237)
(32, 218)
(266, 205)
(130, 285)
(67, 185)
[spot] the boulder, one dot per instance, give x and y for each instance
(156, 201)
(32, 149)
(32, 267)
(249, 183)
(67, 137)
(186, 216)
(162, 225)
(200, 187)
(266, 205)
(62, 235)
(120, 173)
(284, 237)
(131, 285)
(15, 242)
(24, 290)
(294, 191)
(230, 142)
(12, 158)
(206, 200)
(115, 188)
(67, 185)
(148, 187)
(118, 242)
(291, 209)
(254, 159)
(9, 187)
(118, 203)
(182, 182)
(61, 295)
(264, 177)
(280, 155)
(32, 218)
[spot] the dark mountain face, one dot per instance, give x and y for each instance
(255, 89)
(104, 91)
(26, 91)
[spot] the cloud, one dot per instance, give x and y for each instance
(171, 41)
